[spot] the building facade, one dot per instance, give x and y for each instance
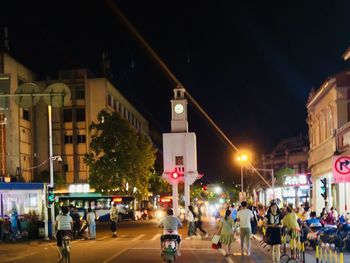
(24, 132)
(328, 116)
(70, 124)
(16, 124)
(289, 153)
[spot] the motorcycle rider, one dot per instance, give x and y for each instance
(170, 224)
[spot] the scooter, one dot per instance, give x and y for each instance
(170, 246)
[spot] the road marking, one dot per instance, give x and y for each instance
(155, 237)
(19, 257)
(138, 238)
(228, 258)
(114, 256)
(103, 238)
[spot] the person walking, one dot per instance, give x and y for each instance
(273, 224)
(113, 214)
(199, 222)
(91, 219)
(244, 217)
(191, 215)
(226, 232)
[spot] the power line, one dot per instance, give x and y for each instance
(172, 77)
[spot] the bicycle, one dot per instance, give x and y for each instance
(65, 249)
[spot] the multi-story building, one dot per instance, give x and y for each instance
(16, 126)
(24, 132)
(290, 152)
(328, 114)
(70, 124)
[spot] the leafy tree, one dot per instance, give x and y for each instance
(280, 174)
(119, 155)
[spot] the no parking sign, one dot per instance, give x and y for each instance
(341, 169)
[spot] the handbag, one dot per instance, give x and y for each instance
(216, 246)
(215, 239)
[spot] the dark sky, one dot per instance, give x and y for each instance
(250, 64)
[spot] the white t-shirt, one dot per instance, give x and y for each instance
(245, 216)
(64, 222)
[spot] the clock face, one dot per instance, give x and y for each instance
(179, 108)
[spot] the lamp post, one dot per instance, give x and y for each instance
(241, 159)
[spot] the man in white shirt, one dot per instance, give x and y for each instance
(244, 217)
(63, 226)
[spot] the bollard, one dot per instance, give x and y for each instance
(317, 256)
(341, 257)
(321, 253)
(303, 252)
(335, 256)
(326, 250)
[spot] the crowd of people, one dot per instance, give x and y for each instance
(248, 219)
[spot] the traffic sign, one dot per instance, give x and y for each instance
(341, 169)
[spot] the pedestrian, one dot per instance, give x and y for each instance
(233, 212)
(226, 232)
(91, 219)
(191, 215)
(199, 222)
(273, 224)
(76, 223)
(113, 213)
(244, 217)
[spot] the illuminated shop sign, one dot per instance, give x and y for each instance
(79, 188)
(295, 180)
(117, 199)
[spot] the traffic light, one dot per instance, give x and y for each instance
(324, 188)
(174, 175)
(204, 188)
(50, 195)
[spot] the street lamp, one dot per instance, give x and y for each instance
(242, 158)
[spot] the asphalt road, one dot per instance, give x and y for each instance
(136, 242)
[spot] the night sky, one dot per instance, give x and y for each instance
(250, 64)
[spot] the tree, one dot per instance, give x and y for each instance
(280, 174)
(119, 155)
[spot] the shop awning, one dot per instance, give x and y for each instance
(21, 186)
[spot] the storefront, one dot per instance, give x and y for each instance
(24, 197)
(296, 189)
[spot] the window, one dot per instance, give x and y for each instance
(79, 93)
(110, 100)
(68, 139)
(81, 138)
(67, 115)
(80, 114)
(179, 160)
(26, 115)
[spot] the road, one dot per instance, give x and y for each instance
(136, 242)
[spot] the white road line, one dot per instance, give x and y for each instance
(228, 259)
(103, 238)
(114, 256)
(19, 257)
(155, 237)
(139, 237)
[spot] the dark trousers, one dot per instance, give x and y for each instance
(198, 225)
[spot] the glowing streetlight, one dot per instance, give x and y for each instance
(242, 158)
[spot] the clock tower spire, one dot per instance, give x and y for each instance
(179, 111)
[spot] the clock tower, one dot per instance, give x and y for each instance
(179, 111)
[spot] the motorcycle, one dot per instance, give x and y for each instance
(169, 246)
(343, 236)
